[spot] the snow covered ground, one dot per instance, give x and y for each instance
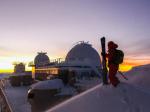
(140, 76)
(2, 76)
(130, 96)
(17, 97)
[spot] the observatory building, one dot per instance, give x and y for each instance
(41, 59)
(84, 53)
(82, 59)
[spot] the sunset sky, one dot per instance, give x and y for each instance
(54, 26)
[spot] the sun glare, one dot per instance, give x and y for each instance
(130, 63)
(6, 63)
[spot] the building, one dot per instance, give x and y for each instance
(41, 60)
(19, 67)
(82, 60)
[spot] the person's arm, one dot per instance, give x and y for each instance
(110, 55)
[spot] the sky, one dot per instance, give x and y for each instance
(54, 26)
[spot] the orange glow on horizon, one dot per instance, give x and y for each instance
(6, 70)
(11, 70)
(7, 67)
(129, 63)
(6, 63)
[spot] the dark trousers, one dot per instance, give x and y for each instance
(112, 74)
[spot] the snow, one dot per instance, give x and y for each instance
(86, 83)
(17, 97)
(48, 84)
(67, 90)
(130, 96)
(125, 98)
(2, 76)
(139, 76)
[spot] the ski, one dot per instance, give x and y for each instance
(104, 67)
(122, 75)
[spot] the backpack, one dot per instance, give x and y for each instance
(119, 56)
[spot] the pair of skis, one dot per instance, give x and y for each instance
(104, 66)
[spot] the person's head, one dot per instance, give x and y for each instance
(112, 45)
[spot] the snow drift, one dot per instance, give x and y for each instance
(131, 96)
(48, 84)
(124, 98)
(139, 76)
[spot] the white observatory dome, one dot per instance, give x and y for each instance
(84, 52)
(41, 59)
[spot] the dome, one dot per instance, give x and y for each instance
(41, 59)
(84, 52)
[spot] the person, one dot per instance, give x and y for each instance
(113, 67)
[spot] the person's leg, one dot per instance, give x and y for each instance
(112, 75)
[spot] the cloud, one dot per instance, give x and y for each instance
(139, 48)
(6, 51)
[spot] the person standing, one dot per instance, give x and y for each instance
(112, 65)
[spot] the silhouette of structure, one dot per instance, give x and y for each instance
(19, 67)
(41, 59)
(85, 53)
(82, 59)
